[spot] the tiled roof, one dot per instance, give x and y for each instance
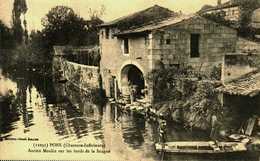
(156, 25)
(247, 85)
(148, 15)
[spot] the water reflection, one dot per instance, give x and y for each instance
(6, 85)
(8, 111)
(63, 113)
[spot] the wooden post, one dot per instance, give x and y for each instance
(115, 114)
(115, 86)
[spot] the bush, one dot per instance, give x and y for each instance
(202, 105)
(173, 83)
(186, 90)
(215, 73)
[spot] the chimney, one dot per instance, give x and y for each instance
(219, 2)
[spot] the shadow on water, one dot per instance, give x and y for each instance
(67, 110)
(8, 115)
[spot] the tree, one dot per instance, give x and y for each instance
(247, 8)
(19, 8)
(96, 13)
(243, 25)
(62, 26)
(38, 47)
(6, 37)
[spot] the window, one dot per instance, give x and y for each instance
(161, 40)
(126, 46)
(194, 46)
(177, 66)
(168, 41)
(107, 33)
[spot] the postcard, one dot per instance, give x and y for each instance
(132, 80)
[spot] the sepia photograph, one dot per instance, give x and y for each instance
(138, 80)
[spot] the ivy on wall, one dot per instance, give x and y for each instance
(191, 91)
(202, 104)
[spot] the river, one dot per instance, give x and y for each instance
(45, 112)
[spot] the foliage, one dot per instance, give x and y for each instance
(6, 37)
(215, 73)
(62, 26)
(27, 54)
(254, 61)
(165, 81)
(39, 47)
(9, 112)
(20, 55)
(247, 8)
(96, 13)
(98, 96)
(203, 104)
(219, 17)
(190, 90)
(244, 23)
(19, 7)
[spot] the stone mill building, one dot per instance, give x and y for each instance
(134, 45)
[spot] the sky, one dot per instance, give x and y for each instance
(37, 9)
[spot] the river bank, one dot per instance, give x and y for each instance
(70, 116)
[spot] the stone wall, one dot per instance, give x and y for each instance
(237, 65)
(231, 13)
(82, 76)
(244, 45)
(215, 41)
(113, 59)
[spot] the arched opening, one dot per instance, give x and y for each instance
(132, 77)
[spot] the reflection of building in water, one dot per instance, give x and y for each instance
(59, 118)
(110, 133)
(76, 116)
(109, 124)
(123, 134)
(133, 128)
(60, 91)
